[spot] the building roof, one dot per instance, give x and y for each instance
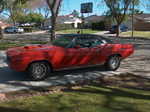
(143, 17)
(94, 18)
(67, 18)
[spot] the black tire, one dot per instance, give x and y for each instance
(113, 63)
(39, 71)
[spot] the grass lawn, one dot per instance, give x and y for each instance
(85, 31)
(92, 98)
(145, 34)
(6, 45)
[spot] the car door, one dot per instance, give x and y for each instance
(97, 46)
(72, 56)
(84, 56)
(66, 56)
(77, 54)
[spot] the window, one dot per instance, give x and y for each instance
(83, 42)
(63, 41)
(88, 41)
(96, 42)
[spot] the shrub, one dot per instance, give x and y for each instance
(99, 25)
(64, 26)
(28, 29)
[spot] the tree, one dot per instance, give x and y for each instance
(54, 6)
(118, 9)
(32, 17)
(44, 11)
(35, 18)
(134, 11)
(14, 9)
(2, 7)
(75, 13)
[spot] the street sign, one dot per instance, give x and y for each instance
(87, 7)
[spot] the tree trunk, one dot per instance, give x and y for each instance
(118, 30)
(54, 6)
(1, 33)
(53, 28)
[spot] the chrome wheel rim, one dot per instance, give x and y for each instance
(39, 70)
(114, 62)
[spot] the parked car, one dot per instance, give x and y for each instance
(14, 29)
(68, 51)
(46, 28)
(122, 28)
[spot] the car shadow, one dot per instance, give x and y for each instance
(79, 71)
(20, 79)
(9, 75)
(17, 80)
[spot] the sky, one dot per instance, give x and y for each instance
(99, 8)
(69, 5)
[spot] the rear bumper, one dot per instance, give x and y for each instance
(128, 52)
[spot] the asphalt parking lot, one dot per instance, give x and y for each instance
(137, 64)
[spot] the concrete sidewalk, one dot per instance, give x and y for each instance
(2, 59)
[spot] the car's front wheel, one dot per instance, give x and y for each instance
(113, 63)
(39, 70)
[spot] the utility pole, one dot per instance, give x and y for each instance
(86, 8)
(82, 26)
(133, 8)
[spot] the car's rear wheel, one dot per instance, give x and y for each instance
(113, 63)
(39, 70)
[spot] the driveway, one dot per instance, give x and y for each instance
(138, 64)
(13, 81)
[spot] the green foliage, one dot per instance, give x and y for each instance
(2, 5)
(75, 13)
(142, 34)
(96, 98)
(30, 18)
(99, 25)
(74, 31)
(35, 18)
(118, 10)
(15, 8)
(6, 45)
(136, 11)
(28, 29)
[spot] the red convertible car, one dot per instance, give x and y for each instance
(68, 51)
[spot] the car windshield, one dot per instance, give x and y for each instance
(62, 41)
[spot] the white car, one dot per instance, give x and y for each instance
(14, 29)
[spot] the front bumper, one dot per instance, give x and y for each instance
(7, 60)
(17, 65)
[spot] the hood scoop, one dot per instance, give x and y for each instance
(32, 47)
(26, 47)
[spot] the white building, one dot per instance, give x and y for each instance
(67, 19)
(74, 21)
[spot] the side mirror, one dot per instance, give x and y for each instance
(77, 46)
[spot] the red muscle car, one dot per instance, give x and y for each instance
(68, 51)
